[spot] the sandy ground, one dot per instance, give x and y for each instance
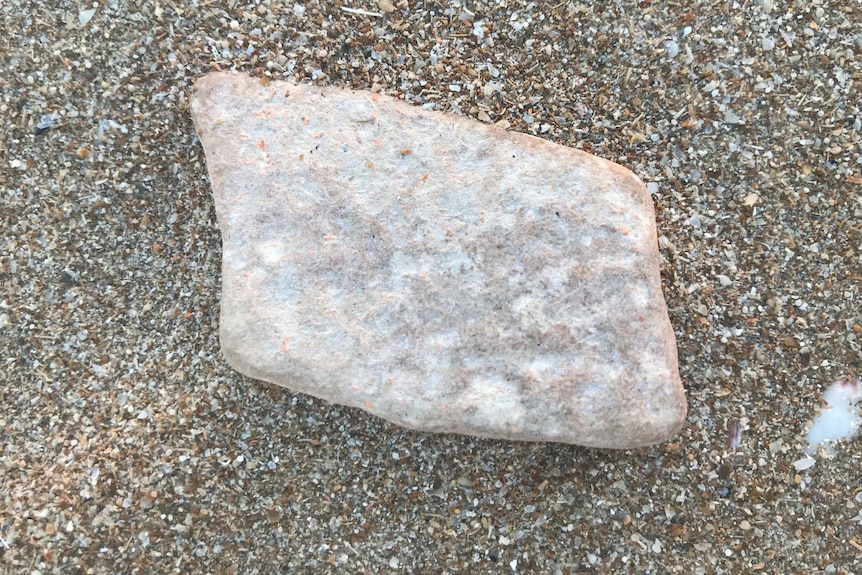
(130, 446)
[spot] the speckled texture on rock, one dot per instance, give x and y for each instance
(440, 273)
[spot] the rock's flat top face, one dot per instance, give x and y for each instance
(437, 272)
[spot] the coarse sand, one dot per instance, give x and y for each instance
(127, 444)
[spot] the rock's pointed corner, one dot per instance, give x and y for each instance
(443, 274)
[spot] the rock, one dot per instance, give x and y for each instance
(443, 274)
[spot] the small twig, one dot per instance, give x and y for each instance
(349, 546)
(361, 12)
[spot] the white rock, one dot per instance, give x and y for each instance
(840, 418)
(443, 274)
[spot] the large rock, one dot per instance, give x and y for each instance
(440, 273)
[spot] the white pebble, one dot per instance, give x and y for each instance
(85, 16)
(806, 462)
(840, 418)
(671, 49)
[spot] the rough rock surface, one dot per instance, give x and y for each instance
(440, 273)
